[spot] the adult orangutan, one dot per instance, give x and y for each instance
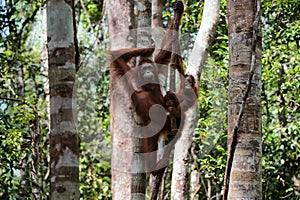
(142, 82)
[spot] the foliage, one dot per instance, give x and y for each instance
(93, 128)
(95, 181)
(22, 103)
(281, 21)
(23, 77)
(210, 140)
(93, 103)
(210, 137)
(90, 12)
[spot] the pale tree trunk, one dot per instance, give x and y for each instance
(156, 23)
(158, 33)
(157, 181)
(243, 170)
(120, 21)
(157, 7)
(44, 70)
(143, 9)
(196, 62)
(194, 182)
(143, 21)
(64, 172)
(35, 136)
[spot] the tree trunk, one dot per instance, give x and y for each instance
(143, 8)
(243, 170)
(157, 7)
(157, 181)
(143, 19)
(194, 183)
(63, 140)
(158, 33)
(35, 136)
(156, 23)
(120, 21)
(196, 62)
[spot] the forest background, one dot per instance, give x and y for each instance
(24, 93)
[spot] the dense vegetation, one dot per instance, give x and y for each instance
(24, 123)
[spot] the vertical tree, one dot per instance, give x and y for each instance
(157, 7)
(158, 32)
(197, 59)
(243, 170)
(120, 21)
(61, 31)
(143, 23)
(22, 141)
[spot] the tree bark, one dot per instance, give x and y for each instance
(143, 8)
(143, 21)
(35, 136)
(196, 62)
(157, 7)
(64, 172)
(194, 183)
(120, 23)
(158, 33)
(243, 171)
(157, 187)
(156, 22)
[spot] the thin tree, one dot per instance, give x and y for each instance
(157, 7)
(120, 21)
(61, 30)
(243, 170)
(157, 186)
(143, 22)
(196, 63)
